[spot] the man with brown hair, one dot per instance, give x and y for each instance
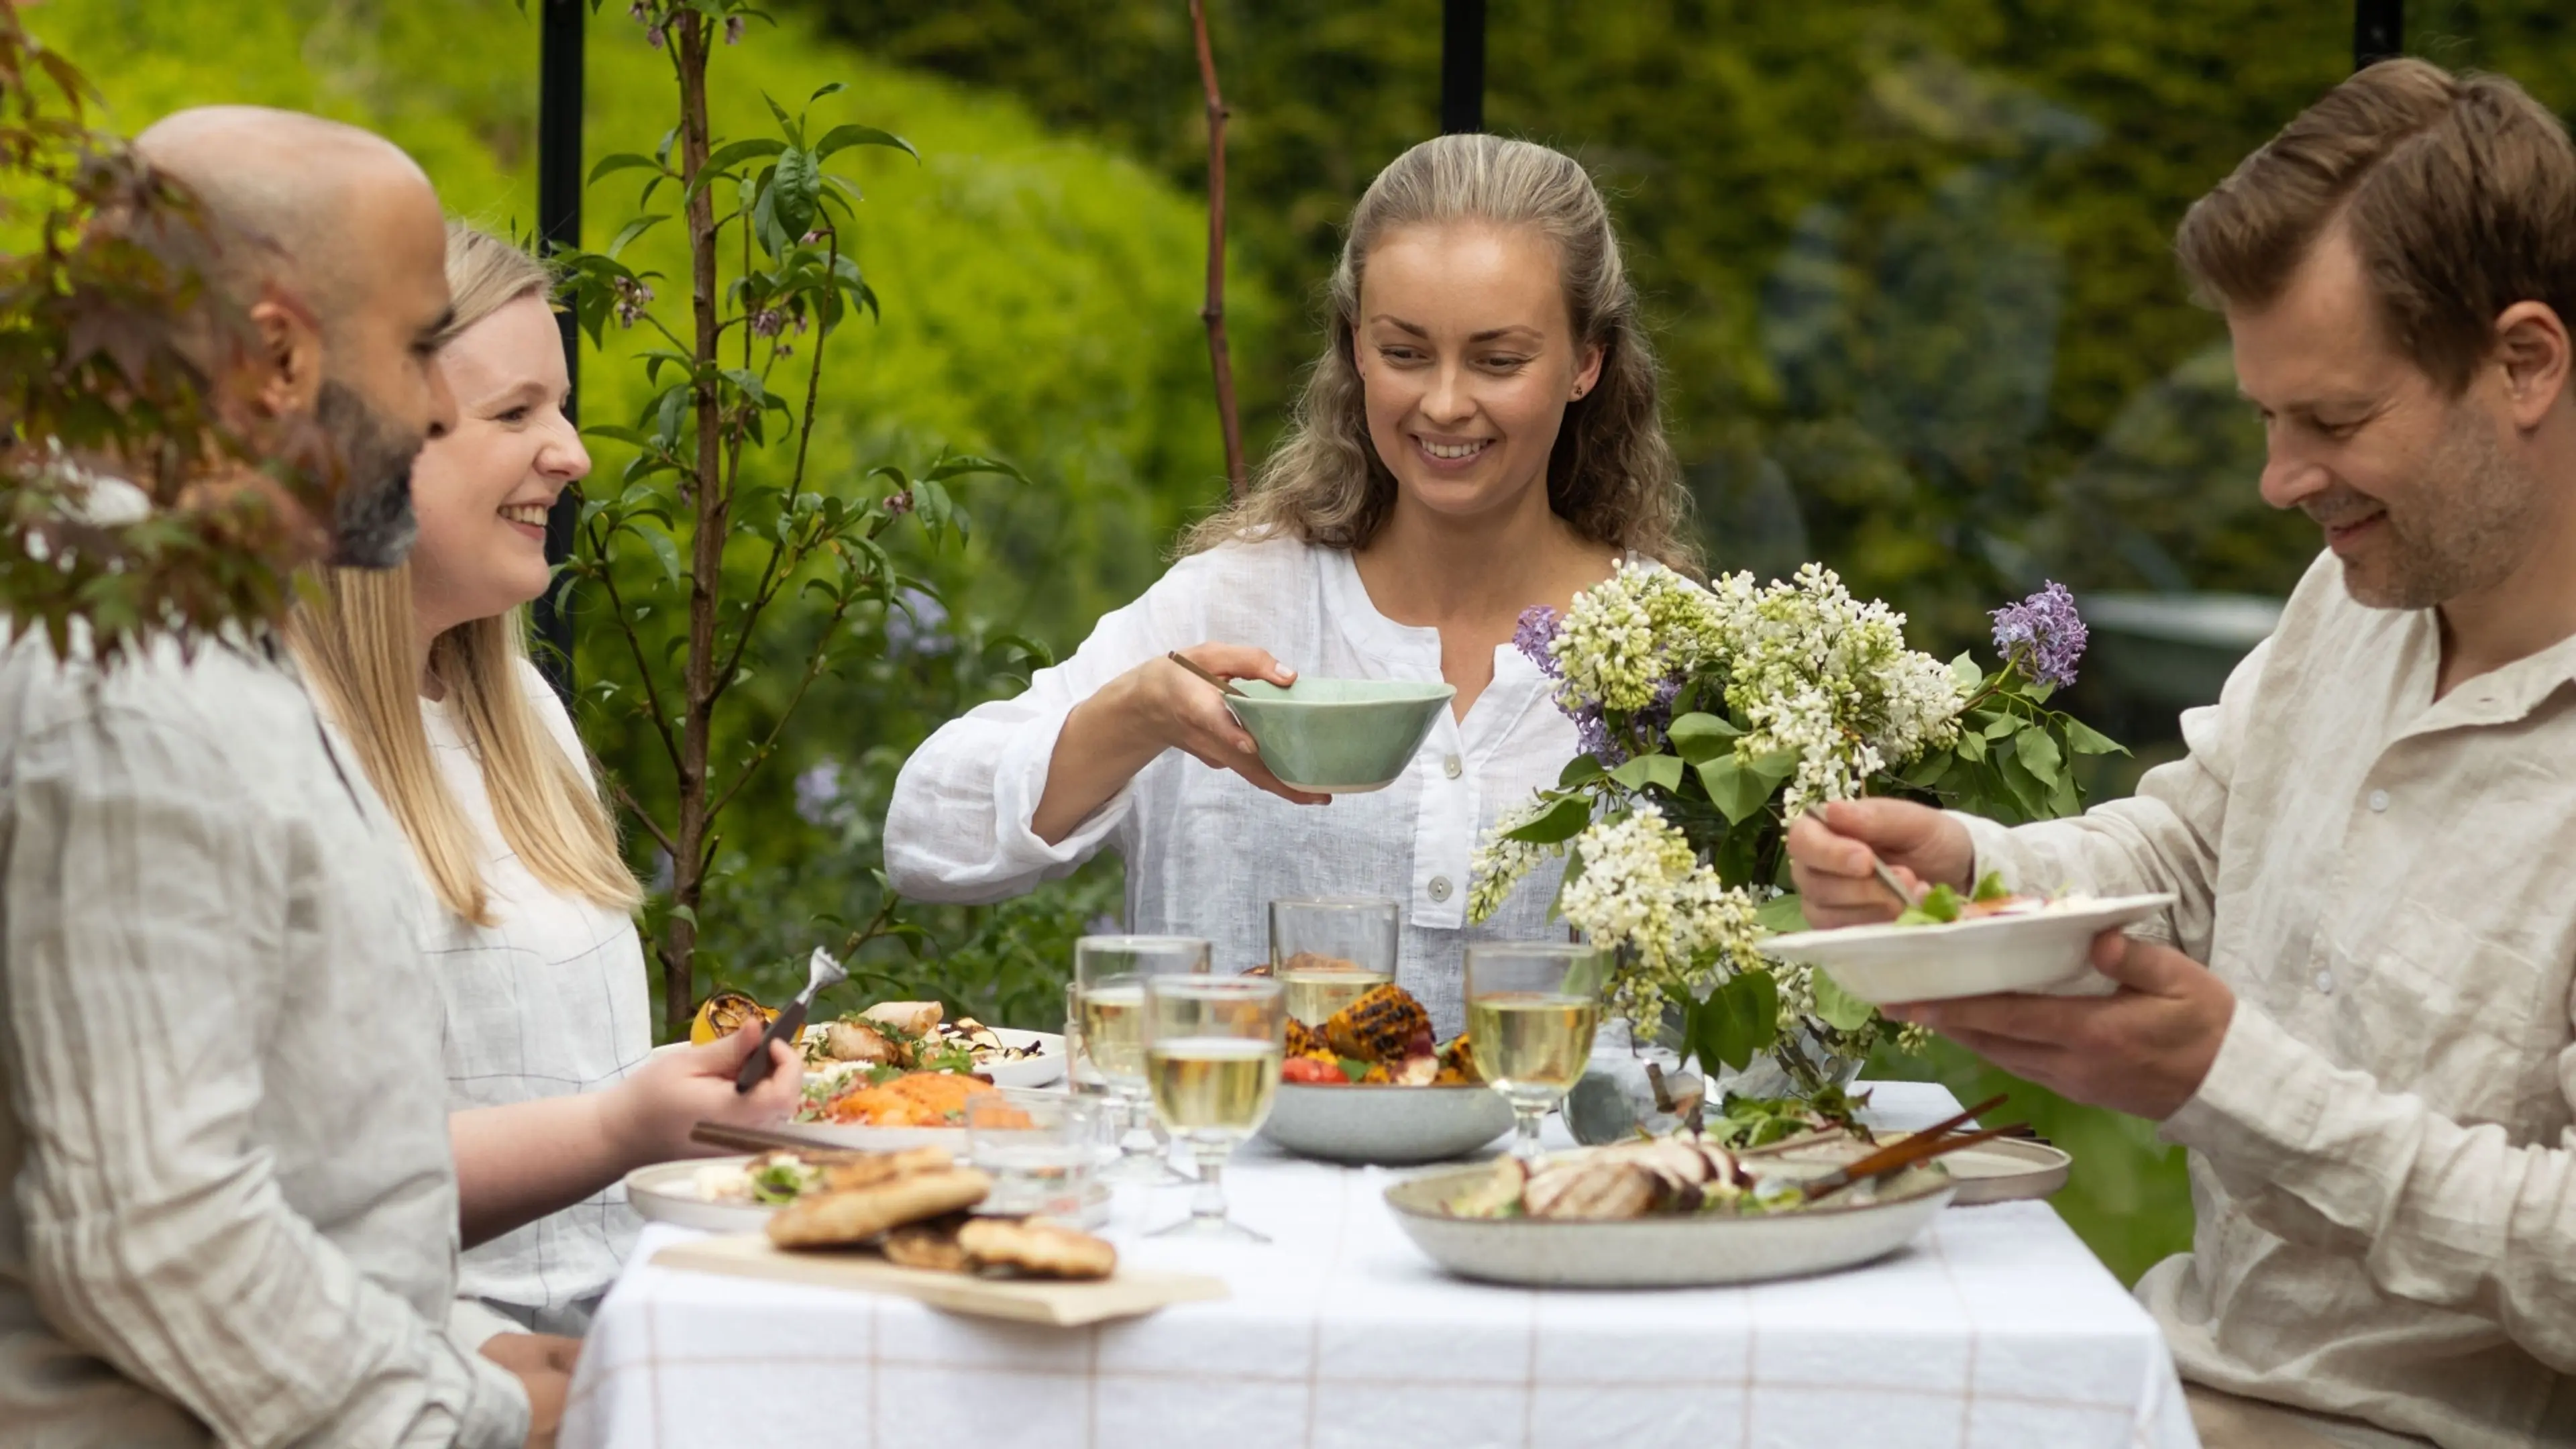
(2372, 842)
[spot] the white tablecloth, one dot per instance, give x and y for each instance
(1996, 1327)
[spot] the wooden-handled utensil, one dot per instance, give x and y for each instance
(1923, 1146)
(820, 971)
(758, 1139)
(1183, 660)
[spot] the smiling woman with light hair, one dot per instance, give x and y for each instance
(424, 671)
(1481, 435)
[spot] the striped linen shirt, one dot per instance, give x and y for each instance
(546, 1001)
(232, 1212)
(2383, 1172)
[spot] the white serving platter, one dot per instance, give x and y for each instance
(1042, 1070)
(2042, 952)
(1690, 1251)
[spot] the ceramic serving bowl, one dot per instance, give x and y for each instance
(1339, 736)
(1698, 1250)
(1385, 1126)
(2042, 952)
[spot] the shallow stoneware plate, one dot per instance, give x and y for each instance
(1339, 736)
(2041, 952)
(666, 1192)
(1661, 1252)
(1042, 1070)
(1386, 1126)
(2002, 1169)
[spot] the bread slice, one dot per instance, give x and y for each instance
(833, 1219)
(1036, 1246)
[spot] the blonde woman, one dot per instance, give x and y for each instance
(1480, 435)
(552, 1089)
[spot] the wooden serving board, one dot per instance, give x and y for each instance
(1129, 1293)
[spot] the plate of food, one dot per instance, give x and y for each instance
(1949, 945)
(905, 1222)
(724, 1194)
(906, 1036)
(1372, 1086)
(1667, 1212)
(2001, 1169)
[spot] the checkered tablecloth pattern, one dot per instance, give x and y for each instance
(1996, 1327)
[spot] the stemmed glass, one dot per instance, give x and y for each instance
(1532, 1008)
(1110, 974)
(1330, 950)
(1212, 1052)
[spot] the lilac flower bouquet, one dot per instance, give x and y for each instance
(1710, 719)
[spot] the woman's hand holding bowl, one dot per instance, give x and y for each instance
(1154, 707)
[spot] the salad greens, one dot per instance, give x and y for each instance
(1941, 905)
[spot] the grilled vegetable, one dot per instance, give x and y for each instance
(724, 1013)
(1379, 1027)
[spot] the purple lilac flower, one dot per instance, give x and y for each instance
(1537, 631)
(2044, 634)
(917, 626)
(818, 793)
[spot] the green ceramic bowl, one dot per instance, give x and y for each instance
(1339, 736)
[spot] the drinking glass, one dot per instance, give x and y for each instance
(1213, 1046)
(1532, 1008)
(1109, 978)
(1330, 950)
(1038, 1147)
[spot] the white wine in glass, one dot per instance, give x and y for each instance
(1113, 1029)
(1109, 977)
(1213, 1046)
(1532, 1010)
(1330, 951)
(1216, 1085)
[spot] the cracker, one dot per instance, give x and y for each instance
(931, 1245)
(853, 1215)
(1038, 1247)
(884, 1167)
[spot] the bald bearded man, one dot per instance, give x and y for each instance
(233, 1214)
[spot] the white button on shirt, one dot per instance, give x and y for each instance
(2378, 801)
(1205, 851)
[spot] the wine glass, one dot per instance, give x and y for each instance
(1532, 1007)
(1109, 978)
(1329, 951)
(1213, 1046)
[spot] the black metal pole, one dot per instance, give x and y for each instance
(559, 185)
(2378, 31)
(1462, 66)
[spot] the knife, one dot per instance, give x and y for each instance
(821, 971)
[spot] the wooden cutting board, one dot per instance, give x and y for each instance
(1129, 1293)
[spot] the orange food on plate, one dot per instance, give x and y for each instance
(915, 1099)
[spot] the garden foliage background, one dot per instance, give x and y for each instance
(1908, 264)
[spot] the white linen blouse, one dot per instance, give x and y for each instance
(1205, 851)
(548, 1000)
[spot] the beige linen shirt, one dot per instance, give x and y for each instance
(2382, 1169)
(232, 1209)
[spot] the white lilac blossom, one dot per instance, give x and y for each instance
(1501, 863)
(2043, 634)
(1827, 679)
(1644, 893)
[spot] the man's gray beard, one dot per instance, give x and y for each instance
(372, 526)
(2477, 528)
